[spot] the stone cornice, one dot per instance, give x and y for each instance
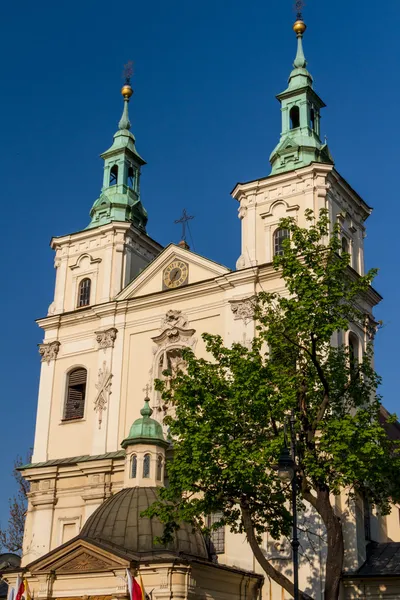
(257, 185)
(113, 308)
(103, 230)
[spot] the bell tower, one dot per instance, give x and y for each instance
(303, 176)
(95, 264)
(300, 142)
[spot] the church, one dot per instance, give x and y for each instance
(124, 307)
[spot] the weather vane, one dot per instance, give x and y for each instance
(128, 71)
(184, 220)
(298, 7)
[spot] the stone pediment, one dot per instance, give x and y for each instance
(151, 279)
(78, 556)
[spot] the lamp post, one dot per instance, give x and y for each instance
(287, 472)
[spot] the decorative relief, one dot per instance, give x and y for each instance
(49, 351)
(83, 563)
(84, 256)
(244, 309)
(173, 331)
(106, 338)
(242, 212)
(103, 387)
(175, 335)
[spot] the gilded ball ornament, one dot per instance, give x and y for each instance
(126, 91)
(299, 27)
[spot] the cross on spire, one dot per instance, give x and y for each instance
(184, 220)
(147, 390)
(298, 7)
(128, 71)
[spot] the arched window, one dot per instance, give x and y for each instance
(114, 175)
(133, 466)
(146, 466)
(354, 353)
(312, 119)
(279, 236)
(294, 117)
(76, 392)
(159, 467)
(132, 178)
(84, 292)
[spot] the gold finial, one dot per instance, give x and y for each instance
(299, 27)
(126, 89)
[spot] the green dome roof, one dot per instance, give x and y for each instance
(145, 430)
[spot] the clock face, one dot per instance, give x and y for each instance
(175, 275)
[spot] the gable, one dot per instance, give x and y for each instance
(79, 556)
(150, 280)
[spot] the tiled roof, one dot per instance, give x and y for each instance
(382, 560)
(71, 461)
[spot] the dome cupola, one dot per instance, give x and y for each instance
(145, 451)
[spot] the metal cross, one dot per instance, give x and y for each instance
(128, 71)
(298, 7)
(184, 219)
(147, 390)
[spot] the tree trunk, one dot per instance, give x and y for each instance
(335, 544)
(269, 569)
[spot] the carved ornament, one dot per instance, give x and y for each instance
(49, 351)
(174, 331)
(244, 309)
(85, 562)
(106, 338)
(103, 387)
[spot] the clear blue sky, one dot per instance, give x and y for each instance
(205, 116)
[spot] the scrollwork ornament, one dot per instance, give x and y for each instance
(244, 309)
(103, 387)
(48, 351)
(106, 338)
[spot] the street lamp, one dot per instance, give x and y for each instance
(286, 469)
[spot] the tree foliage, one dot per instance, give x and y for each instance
(228, 412)
(11, 537)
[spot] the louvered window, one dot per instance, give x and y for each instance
(84, 292)
(76, 392)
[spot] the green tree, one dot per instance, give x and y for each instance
(227, 421)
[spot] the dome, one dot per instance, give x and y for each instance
(145, 429)
(117, 522)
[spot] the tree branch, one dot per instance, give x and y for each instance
(269, 569)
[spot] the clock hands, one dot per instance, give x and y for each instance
(174, 274)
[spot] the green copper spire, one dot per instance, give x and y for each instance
(145, 430)
(300, 143)
(120, 195)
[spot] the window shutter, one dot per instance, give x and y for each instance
(76, 393)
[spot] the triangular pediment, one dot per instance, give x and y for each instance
(79, 556)
(152, 279)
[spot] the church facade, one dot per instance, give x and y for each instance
(123, 309)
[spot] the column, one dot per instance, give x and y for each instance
(49, 353)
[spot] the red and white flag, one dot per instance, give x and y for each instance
(19, 588)
(136, 591)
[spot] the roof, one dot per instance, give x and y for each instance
(118, 523)
(383, 560)
(71, 461)
(145, 430)
(8, 561)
